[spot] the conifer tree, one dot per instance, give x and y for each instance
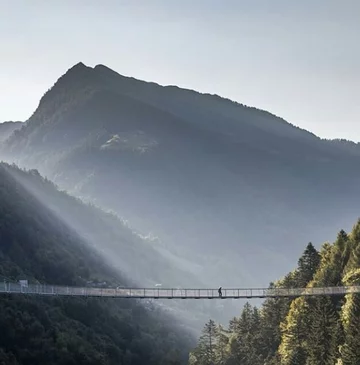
(222, 342)
(350, 350)
(273, 312)
(245, 341)
(355, 233)
(204, 353)
(331, 266)
(294, 330)
(233, 324)
(341, 240)
(323, 332)
(354, 261)
(307, 265)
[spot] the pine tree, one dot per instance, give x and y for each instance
(273, 312)
(341, 240)
(256, 354)
(354, 261)
(332, 265)
(222, 348)
(355, 233)
(323, 332)
(350, 350)
(245, 343)
(294, 330)
(307, 265)
(233, 324)
(239, 339)
(339, 258)
(204, 353)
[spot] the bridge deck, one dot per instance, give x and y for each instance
(161, 293)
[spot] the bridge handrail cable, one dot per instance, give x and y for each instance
(172, 293)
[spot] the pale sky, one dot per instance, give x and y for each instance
(297, 59)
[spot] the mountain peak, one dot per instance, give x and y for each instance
(74, 79)
(79, 65)
(78, 68)
(79, 73)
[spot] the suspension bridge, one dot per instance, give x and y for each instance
(162, 293)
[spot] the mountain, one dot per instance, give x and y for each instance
(35, 244)
(140, 260)
(7, 128)
(231, 192)
(322, 330)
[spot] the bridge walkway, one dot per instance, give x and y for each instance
(172, 293)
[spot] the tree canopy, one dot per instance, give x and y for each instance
(306, 330)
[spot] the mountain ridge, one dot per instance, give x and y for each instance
(80, 69)
(193, 91)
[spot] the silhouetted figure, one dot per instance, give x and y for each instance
(220, 293)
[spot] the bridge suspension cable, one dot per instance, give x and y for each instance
(172, 293)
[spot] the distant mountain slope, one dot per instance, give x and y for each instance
(7, 128)
(232, 190)
(132, 255)
(36, 245)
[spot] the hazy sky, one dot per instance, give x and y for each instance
(297, 59)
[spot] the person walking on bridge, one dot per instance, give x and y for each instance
(220, 293)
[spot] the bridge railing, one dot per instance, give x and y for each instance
(43, 289)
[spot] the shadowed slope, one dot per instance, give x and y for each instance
(34, 244)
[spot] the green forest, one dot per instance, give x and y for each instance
(321, 330)
(37, 246)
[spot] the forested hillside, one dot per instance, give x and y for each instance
(125, 250)
(142, 261)
(225, 187)
(302, 331)
(35, 244)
